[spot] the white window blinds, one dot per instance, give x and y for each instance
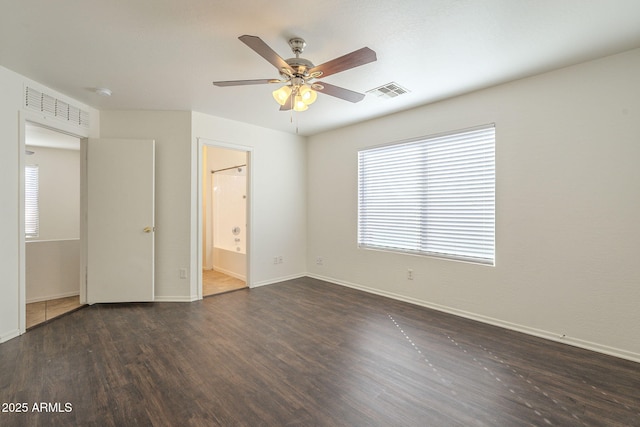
(32, 217)
(434, 196)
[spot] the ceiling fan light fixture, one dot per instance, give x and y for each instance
(308, 95)
(299, 104)
(281, 95)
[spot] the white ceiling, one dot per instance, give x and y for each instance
(164, 55)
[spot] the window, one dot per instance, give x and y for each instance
(432, 196)
(32, 216)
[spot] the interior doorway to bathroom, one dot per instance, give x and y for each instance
(225, 225)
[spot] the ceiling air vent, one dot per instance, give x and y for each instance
(53, 107)
(390, 90)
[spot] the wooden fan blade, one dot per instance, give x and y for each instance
(262, 49)
(340, 92)
(288, 104)
(346, 62)
(244, 82)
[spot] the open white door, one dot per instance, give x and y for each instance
(120, 220)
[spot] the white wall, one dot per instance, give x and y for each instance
(52, 269)
(12, 294)
(59, 192)
(10, 97)
(568, 203)
(279, 209)
(172, 133)
(278, 195)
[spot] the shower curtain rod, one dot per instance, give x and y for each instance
(226, 169)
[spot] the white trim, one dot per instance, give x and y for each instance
(280, 279)
(223, 144)
(575, 342)
(55, 296)
(229, 273)
(22, 245)
(10, 335)
(51, 240)
(57, 125)
(84, 200)
(166, 298)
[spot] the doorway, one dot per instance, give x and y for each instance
(225, 222)
(52, 223)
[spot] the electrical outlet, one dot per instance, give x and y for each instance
(409, 274)
(319, 261)
(280, 259)
(183, 273)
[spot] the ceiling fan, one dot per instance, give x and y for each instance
(299, 74)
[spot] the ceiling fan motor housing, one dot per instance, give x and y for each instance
(297, 45)
(300, 66)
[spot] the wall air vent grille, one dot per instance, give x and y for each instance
(390, 90)
(52, 107)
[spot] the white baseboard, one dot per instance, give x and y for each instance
(56, 296)
(576, 342)
(174, 299)
(278, 280)
(9, 335)
(230, 273)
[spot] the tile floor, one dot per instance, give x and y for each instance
(214, 282)
(39, 312)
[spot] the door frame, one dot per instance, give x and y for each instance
(202, 142)
(25, 117)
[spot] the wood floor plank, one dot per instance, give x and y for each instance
(305, 352)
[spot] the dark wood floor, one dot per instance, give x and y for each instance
(305, 353)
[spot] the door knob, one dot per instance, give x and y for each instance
(148, 229)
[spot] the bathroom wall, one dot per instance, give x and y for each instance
(219, 257)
